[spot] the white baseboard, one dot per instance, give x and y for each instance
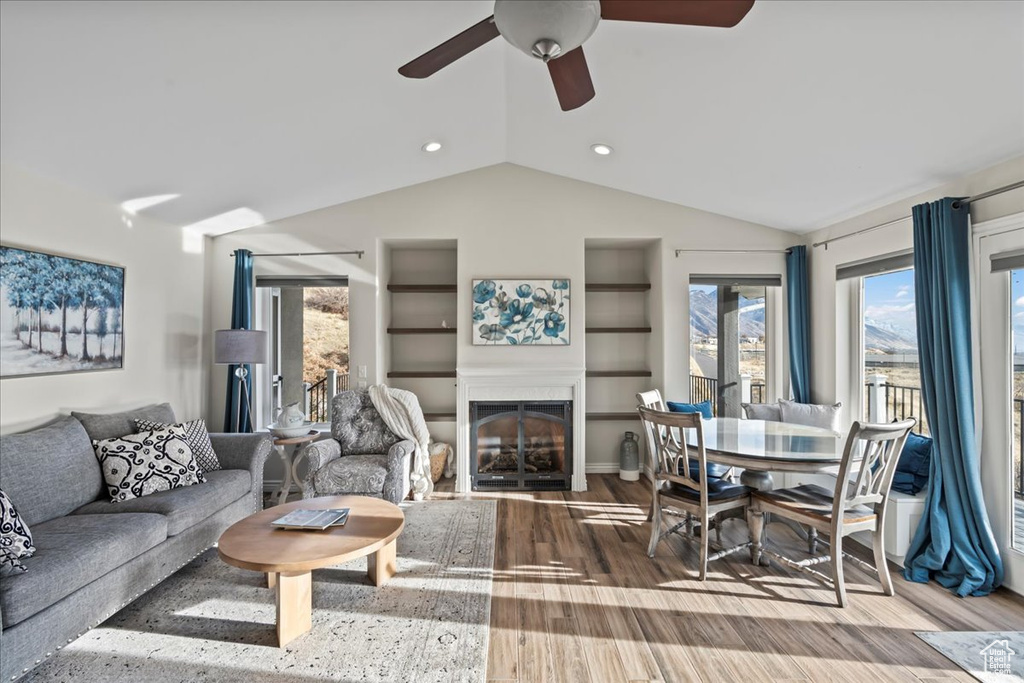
(602, 468)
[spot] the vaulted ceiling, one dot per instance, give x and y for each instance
(803, 115)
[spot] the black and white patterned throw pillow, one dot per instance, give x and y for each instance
(15, 538)
(198, 439)
(137, 465)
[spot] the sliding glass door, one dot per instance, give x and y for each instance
(729, 342)
(307, 318)
(999, 246)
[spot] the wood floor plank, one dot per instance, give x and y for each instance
(596, 634)
(535, 658)
(567, 651)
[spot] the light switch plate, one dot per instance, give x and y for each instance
(362, 372)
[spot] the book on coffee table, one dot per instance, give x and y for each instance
(312, 520)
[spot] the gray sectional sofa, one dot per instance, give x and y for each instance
(92, 556)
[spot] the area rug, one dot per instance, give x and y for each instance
(213, 622)
(989, 656)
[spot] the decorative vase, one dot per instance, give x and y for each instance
(290, 416)
(629, 458)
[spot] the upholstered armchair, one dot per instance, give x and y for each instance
(362, 457)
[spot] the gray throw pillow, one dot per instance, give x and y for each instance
(198, 439)
(102, 426)
(812, 414)
(137, 465)
(15, 538)
(769, 412)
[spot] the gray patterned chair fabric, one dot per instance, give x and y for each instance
(362, 457)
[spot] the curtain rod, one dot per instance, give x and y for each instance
(312, 253)
(956, 205)
(732, 251)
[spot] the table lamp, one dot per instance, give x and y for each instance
(240, 347)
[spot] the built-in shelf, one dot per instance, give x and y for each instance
(420, 374)
(439, 417)
(612, 417)
(618, 373)
(423, 289)
(617, 287)
(421, 330)
(618, 330)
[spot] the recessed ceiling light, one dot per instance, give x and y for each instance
(602, 149)
(432, 146)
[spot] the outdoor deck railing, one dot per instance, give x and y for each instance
(703, 389)
(895, 402)
(1018, 417)
(318, 396)
(706, 389)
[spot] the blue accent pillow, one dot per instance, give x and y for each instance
(912, 469)
(703, 408)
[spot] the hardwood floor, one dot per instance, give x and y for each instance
(577, 599)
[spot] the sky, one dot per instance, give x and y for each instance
(889, 298)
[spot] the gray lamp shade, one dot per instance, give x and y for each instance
(239, 346)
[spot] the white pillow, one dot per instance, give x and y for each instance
(137, 465)
(812, 414)
(770, 412)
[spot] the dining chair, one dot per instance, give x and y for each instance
(652, 399)
(681, 487)
(855, 505)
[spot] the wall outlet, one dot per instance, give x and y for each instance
(362, 385)
(362, 372)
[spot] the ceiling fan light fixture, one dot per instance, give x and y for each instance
(533, 26)
(432, 146)
(546, 49)
(601, 149)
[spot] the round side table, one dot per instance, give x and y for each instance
(287, 455)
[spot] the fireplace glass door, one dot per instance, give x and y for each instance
(523, 444)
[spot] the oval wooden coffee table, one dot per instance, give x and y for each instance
(288, 556)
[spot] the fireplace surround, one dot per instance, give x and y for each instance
(515, 383)
(521, 445)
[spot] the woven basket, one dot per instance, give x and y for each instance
(438, 459)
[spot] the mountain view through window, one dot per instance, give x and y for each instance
(891, 372)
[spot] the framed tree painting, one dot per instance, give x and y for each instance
(521, 312)
(59, 314)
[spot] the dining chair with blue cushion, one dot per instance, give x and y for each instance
(680, 489)
(858, 503)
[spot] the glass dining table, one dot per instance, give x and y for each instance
(760, 447)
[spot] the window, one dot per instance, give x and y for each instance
(1017, 385)
(308, 322)
(892, 377)
(728, 342)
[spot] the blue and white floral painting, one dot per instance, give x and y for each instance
(521, 312)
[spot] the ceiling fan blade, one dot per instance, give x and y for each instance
(572, 81)
(450, 50)
(722, 13)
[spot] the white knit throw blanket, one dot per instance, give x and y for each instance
(402, 414)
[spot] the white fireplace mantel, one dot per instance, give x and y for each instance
(521, 383)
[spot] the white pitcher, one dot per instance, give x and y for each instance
(290, 416)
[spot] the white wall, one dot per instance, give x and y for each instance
(509, 221)
(163, 314)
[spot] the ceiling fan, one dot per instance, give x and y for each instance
(554, 32)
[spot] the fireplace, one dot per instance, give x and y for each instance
(521, 445)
